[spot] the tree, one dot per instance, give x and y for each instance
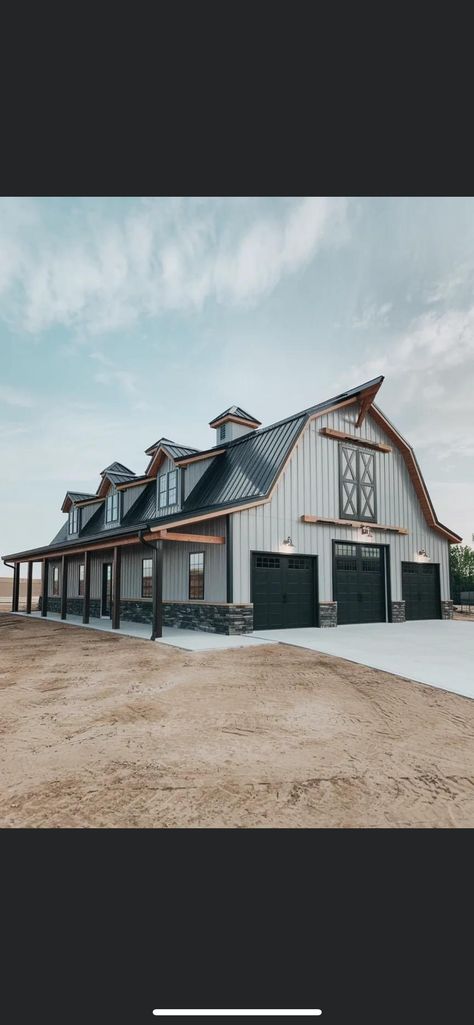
(461, 561)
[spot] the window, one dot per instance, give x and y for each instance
(55, 580)
(268, 562)
(357, 484)
(172, 487)
(196, 575)
(112, 506)
(147, 578)
(81, 578)
(222, 432)
(73, 520)
(168, 489)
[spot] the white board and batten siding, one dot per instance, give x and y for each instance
(310, 485)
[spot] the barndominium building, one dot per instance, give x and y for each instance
(320, 519)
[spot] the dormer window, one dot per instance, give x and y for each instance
(73, 520)
(168, 489)
(112, 506)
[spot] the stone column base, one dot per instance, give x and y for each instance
(328, 613)
(447, 610)
(398, 612)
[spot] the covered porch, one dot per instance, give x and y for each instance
(140, 584)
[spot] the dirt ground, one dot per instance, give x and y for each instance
(108, 731)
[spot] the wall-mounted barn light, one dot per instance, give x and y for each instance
(287, 546)
(422, 556)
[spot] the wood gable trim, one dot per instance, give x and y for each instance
(185, 460)
(230, 418)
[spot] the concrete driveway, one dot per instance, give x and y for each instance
(433, 651)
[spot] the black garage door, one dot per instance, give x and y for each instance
(359, 583)
(283, 591)
(420, 590)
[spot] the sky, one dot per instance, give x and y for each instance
(126, 319)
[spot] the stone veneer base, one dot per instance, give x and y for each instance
(447, 610)
(398, 612)
(218, 618)
(328, 613)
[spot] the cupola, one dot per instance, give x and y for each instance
(232, 424)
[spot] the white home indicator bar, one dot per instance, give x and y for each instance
(286, 1013)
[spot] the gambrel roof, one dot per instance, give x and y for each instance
(241, 473)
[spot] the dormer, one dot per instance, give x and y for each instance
(113, 475)
(70, 506)
(232, 424)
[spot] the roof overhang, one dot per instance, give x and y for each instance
(208, 454)
(231, 418)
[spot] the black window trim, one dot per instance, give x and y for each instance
(113, 494)
(167, 489)
(350, 516)
(73, 520)
(148, 576)
(192, 598)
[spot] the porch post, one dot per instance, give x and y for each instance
(116, 588)
(157, 614)
(44, 596)
(64, 568)
(16, 587)
(29, 587)
(87, 587)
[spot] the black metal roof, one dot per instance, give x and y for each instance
(117, 468)
(234, 411)
(78, 496)
(172, 447)
(243, 471)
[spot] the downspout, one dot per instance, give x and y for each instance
(154, 548)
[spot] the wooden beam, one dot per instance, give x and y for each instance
(89, 501)
(352, 523)
(44, 595)
(116, 565)
(29, 587)
(87, 587)
(202, 539)
(64, 569)
(157, 592)
(135, 483)
(328, 432)
(201, 455)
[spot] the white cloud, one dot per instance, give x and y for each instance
(371, 315)
(103, 274)
(14, 397)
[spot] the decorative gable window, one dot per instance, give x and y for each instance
(73, 520)
(112, 506)
(357, 484)
(168, 489)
